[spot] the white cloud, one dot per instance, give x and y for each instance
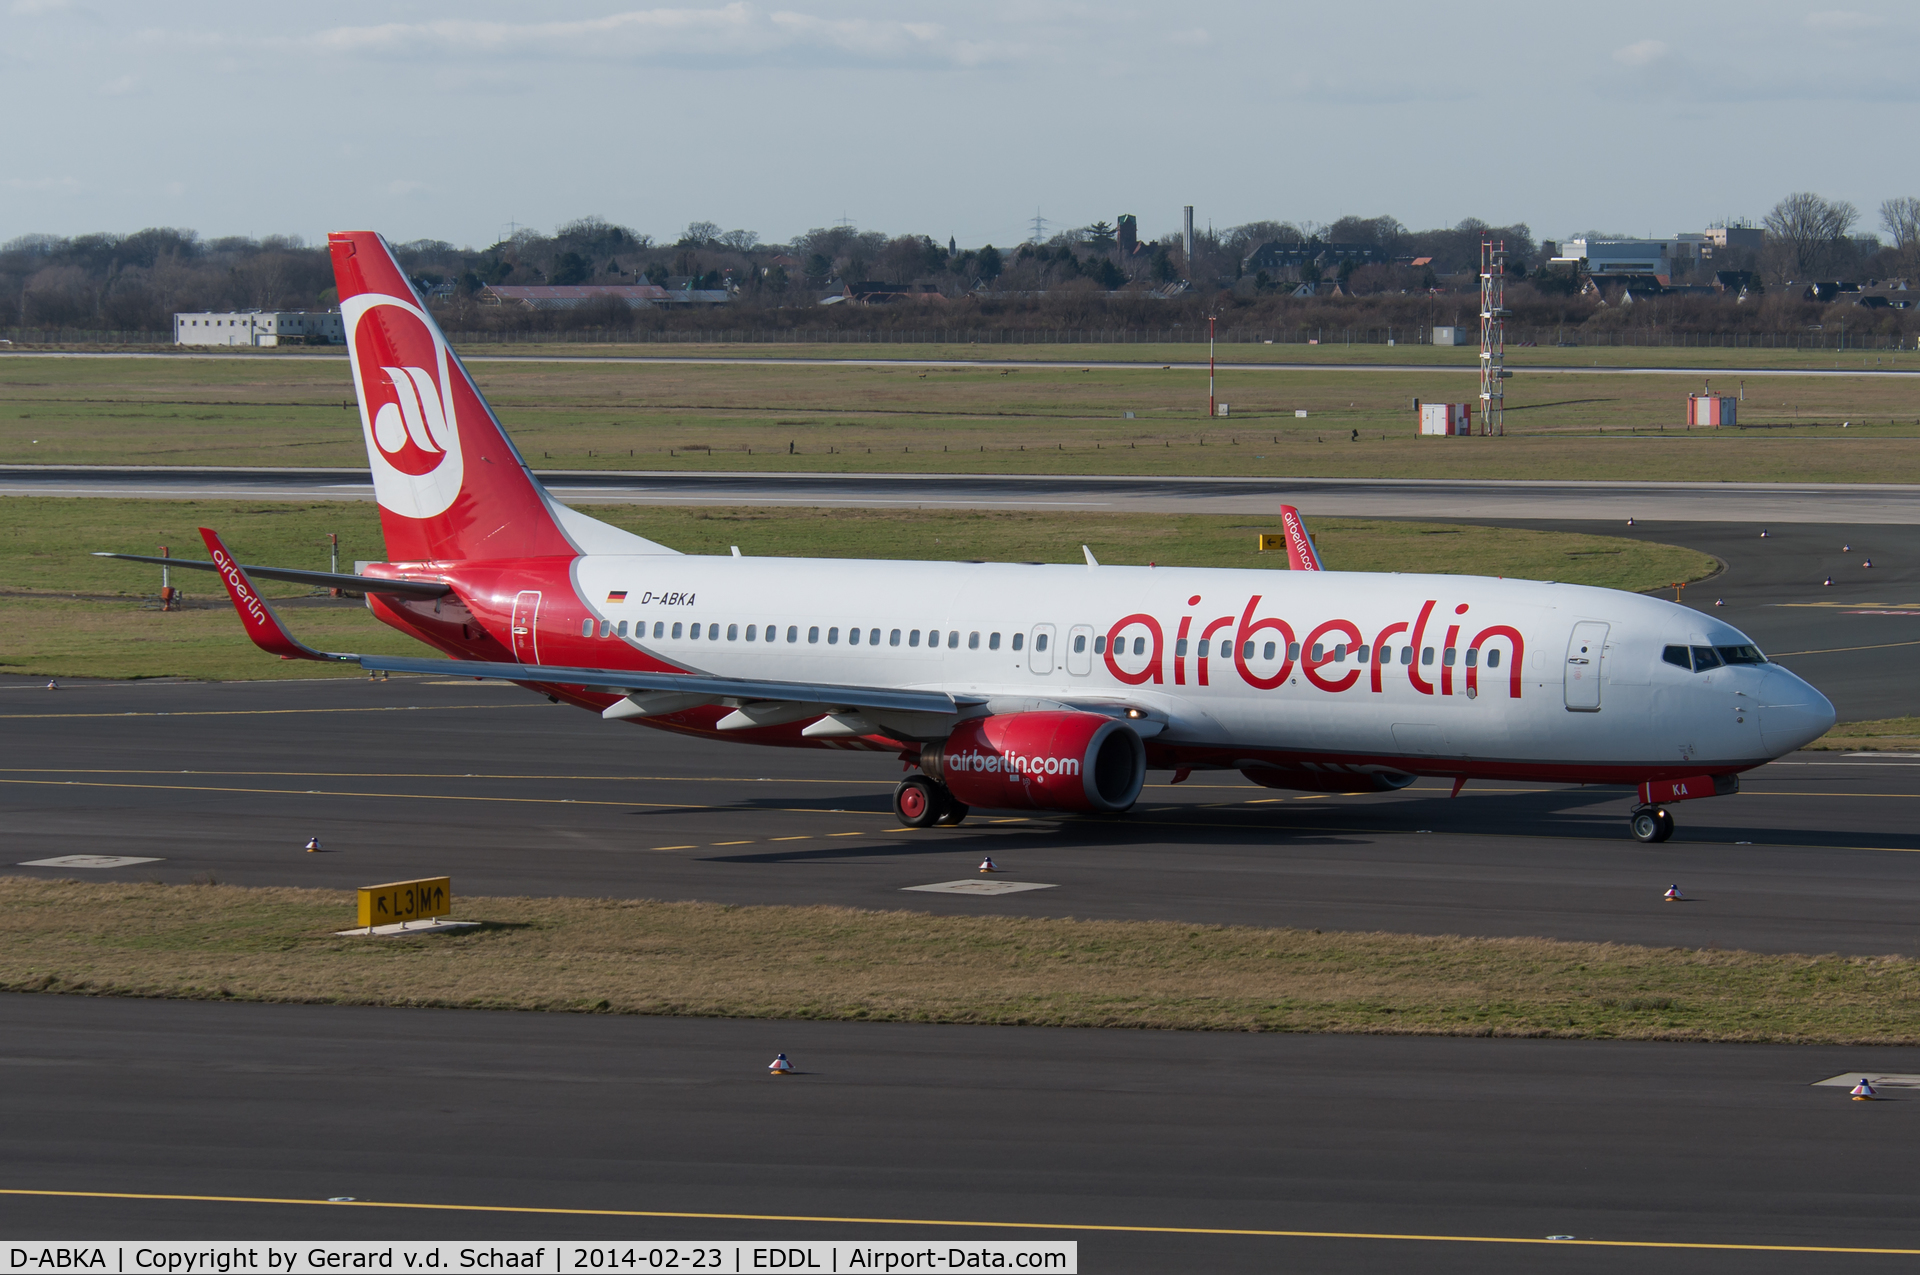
(731, 31)
(1644, 53)
(1844, 21)
(403, 186)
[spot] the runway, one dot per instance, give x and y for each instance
(513, 795)
(1175, 1136)
(1758, 504)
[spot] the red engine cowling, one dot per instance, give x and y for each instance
(1066, 761)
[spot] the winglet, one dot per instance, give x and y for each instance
(1301, 555)
(262, 625)
(1090, 558)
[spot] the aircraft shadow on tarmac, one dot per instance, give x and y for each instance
(1586, 814)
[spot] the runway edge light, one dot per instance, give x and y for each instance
(986, 865)
(1673, 894)
(313, 846)
(780, 1066)
(1863, 1092)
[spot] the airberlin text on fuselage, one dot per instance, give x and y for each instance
(1136, 651)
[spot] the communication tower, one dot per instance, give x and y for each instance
(1493, 336)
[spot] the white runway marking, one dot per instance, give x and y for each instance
(978, 885)
(88, 861)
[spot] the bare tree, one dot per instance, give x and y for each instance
(1901, 217)
(740, 240)
(1806, 229)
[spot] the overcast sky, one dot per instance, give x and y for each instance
(449, 121)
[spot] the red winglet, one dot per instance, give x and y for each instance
(1301, 555)
(262, 625)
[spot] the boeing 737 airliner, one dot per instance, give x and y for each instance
(1014, 686)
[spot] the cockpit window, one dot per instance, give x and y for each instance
(1677, 655)
(1741, 654)
(1704, 658)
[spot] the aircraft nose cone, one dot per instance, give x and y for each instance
(1792, 713)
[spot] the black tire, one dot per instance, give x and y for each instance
(1665, 821)
(1645, 827)
(918, 802)
(954, 811)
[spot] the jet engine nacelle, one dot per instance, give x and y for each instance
(1065, 761)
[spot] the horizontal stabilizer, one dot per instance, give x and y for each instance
(319, 579)
(718, 688)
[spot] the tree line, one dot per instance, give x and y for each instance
(1086, 277)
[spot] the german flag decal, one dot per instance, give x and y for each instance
(618, 595)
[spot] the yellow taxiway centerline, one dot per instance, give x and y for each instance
(1250, 1232)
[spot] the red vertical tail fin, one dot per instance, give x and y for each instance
(1301, 555)
(450, 484)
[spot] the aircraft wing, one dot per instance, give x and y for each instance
(701, 684)
(321, 579)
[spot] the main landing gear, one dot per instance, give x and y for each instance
(921, 803)
(1650, 824)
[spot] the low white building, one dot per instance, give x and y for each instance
(258, 327)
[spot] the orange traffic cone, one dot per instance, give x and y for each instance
(1863, 1092)
(1673, 894)
(986, 865)
(780, 1067)
(313, 846)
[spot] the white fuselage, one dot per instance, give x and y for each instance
(1525, 677)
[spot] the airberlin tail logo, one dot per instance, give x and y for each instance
(404, 374)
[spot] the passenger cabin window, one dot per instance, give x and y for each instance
(953, 639)
(873, 637)
(893, 638)
(1039, 641)
(733, 633)
(1426, 655)
(1079, 643)
(622, 629)
(973, 641)
(913, 637)
(833, 636)
(813, 633)
(753, 633)
(1677, 656)
(793, 633)
(1018, 638)
(1493, 657)
(993, 641)
(1293, 650)
(676, 630)
(853, 637)
(586, 628)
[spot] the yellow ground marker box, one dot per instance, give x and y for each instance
(399, 901)
(1268, 543)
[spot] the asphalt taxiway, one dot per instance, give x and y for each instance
(514, 795)
(1157, 1151)
(1893, 504)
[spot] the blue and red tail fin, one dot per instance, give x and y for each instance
(1301, 555)
(450, 484)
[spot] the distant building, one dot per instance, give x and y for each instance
(872, 293)
(1660, 258)
(640, 296)
(1278, 256)
(259, 327)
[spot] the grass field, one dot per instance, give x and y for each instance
(1332, 352)
(645, 957)
(66, 614)
(297, 411)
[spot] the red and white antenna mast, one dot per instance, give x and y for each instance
(1493, 336)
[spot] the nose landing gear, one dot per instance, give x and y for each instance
(1650, 824)
(921, 803)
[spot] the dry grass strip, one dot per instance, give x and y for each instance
(699, 959)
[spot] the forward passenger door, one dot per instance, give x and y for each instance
(1586, 652)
